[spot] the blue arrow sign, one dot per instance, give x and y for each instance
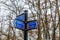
(19, 24)
(21, 17)
(32, 24)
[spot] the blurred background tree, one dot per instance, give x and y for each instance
(46, 12)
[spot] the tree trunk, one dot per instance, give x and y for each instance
(39, 27)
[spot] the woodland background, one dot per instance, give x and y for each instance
(46, 12)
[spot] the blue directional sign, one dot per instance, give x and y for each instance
(19, 24)
(32, 24)
(21, 17)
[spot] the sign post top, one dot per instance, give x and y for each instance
(25, 10)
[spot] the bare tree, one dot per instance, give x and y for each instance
(39, 11)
